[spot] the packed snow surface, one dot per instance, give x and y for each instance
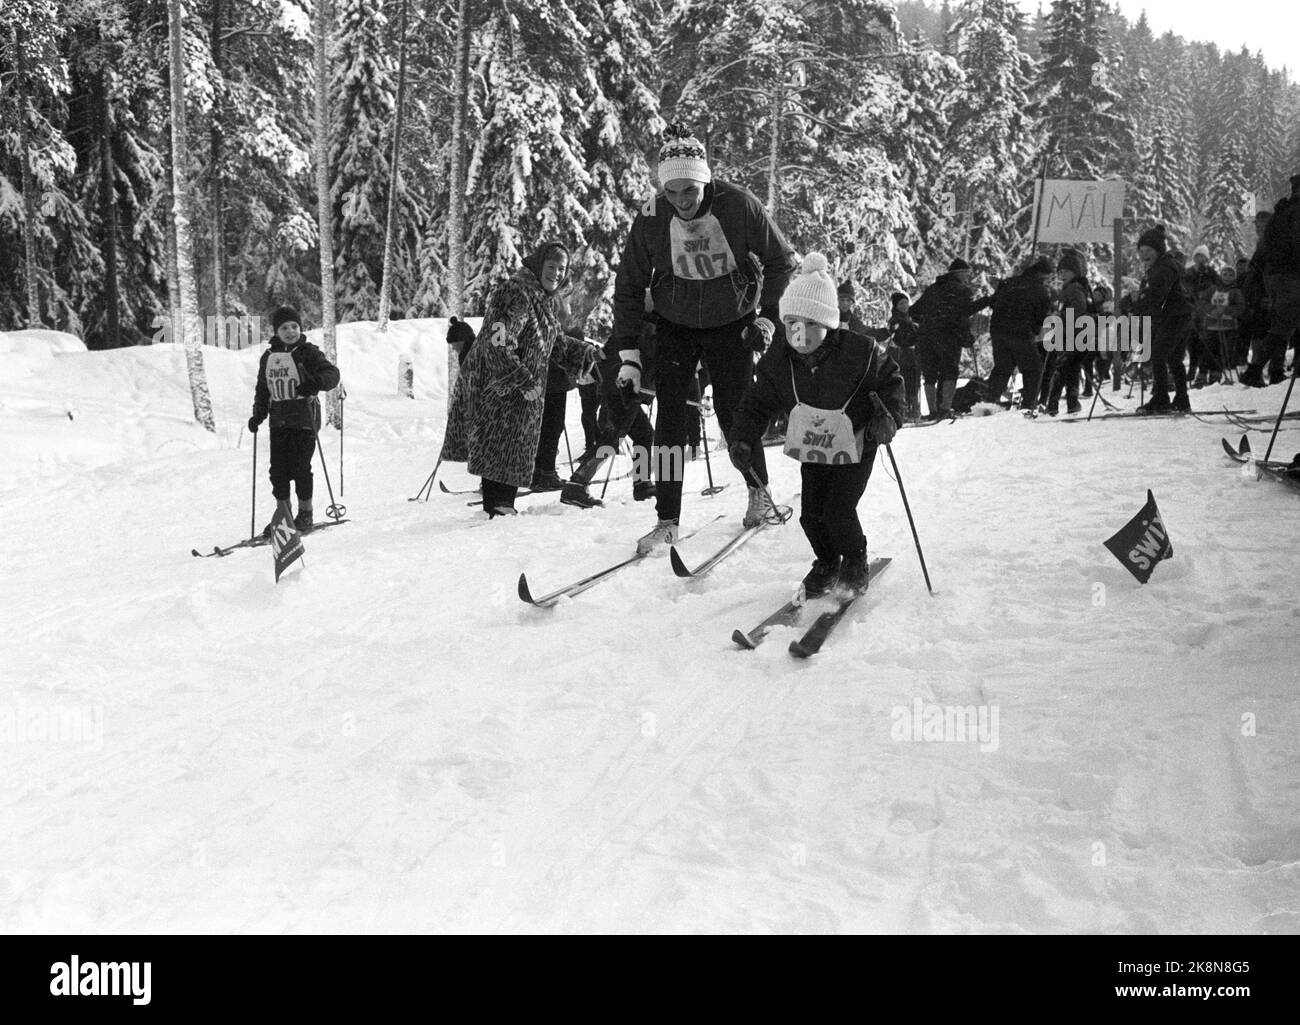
(389, 740)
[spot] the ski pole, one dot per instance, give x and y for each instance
(343, 394)
(334, 511)
(1280, 414)
(610, 472)
(252, 516)
(911, 522)
(1095, 396)
(567, 449)
(428, 483)
(712, 489)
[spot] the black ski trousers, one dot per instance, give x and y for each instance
(1010, 352)
(730, 363)
(829, 508)
(291, 452)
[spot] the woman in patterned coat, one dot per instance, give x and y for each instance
(496, 412)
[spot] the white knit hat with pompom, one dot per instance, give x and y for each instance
(812, 295)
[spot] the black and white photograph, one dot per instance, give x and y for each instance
(807, 468)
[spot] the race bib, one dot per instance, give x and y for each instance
(1219, 299)
(822, 436)
(699, 249)
(282, 377)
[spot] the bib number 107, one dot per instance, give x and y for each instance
(701, 265)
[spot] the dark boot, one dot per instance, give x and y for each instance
(822, 577)
(546, 480)
(853, 572)
(1072, 404)
(303, 520)
(574, 493)
(949, 389)
(1181, 404)
(644, 490)
(1253, 376)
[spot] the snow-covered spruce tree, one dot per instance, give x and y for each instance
(394, 172)
(48, 262)
(620, 125)
(1074, 104)
(364, 91)
(1225, 207)
(526, 168)
(989, 161)
(116, 116)
(190, 326)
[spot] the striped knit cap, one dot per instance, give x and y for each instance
(682, 156)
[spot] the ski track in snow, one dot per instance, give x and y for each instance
(389, 740)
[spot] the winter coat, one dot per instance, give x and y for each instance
(1020, 305)
(495, 419)
(944, 310)
(902, 330)
(290, 398)
(1280, 245)
(1074, 296)
(825, 379)
(1162, 295)
(738, 262)
(1224, 307)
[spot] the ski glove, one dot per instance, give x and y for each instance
(758, 335)
(629, 372)
(253, 424)
(740, 452)
(882, 427)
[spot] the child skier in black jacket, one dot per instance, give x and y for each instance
(290, 375)
(844, 398)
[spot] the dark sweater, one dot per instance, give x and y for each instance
(825, 379)
(289, 395)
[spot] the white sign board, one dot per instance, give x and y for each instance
(1077, 211)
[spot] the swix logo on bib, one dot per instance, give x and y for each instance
(700, 250)
(281, 377)
(821, 436)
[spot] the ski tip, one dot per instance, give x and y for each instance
(524, 593)
(1244, 447)
(196, 553)
(679, 567)
(742, 639)
(444, 489)
(799, 651)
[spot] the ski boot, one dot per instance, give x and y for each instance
(575, 493)
(1181, 404)
(1253, 377)
(644, 490)
(546, 480)
(1072, 405)
(665, 532)
(760, 508)
(303, 521)
(853, 572)
(825, 573)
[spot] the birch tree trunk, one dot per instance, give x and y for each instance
(774, 152)
(31, 277)
(169, 233)
(386, 284)
(190, 326)
(456, 194)
(324, 204)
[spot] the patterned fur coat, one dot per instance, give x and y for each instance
(496, 411)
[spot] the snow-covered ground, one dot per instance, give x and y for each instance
(389, 740)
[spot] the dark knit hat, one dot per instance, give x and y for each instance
(284, 315)
(1154, 238)
(894, 297)
(459, 331)
(1072, 261)
(846, 290)
(1041, 266)
(958, 264)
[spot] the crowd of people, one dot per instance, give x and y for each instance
(709, 292)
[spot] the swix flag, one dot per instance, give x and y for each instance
(286, 544)
(1142, 542)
